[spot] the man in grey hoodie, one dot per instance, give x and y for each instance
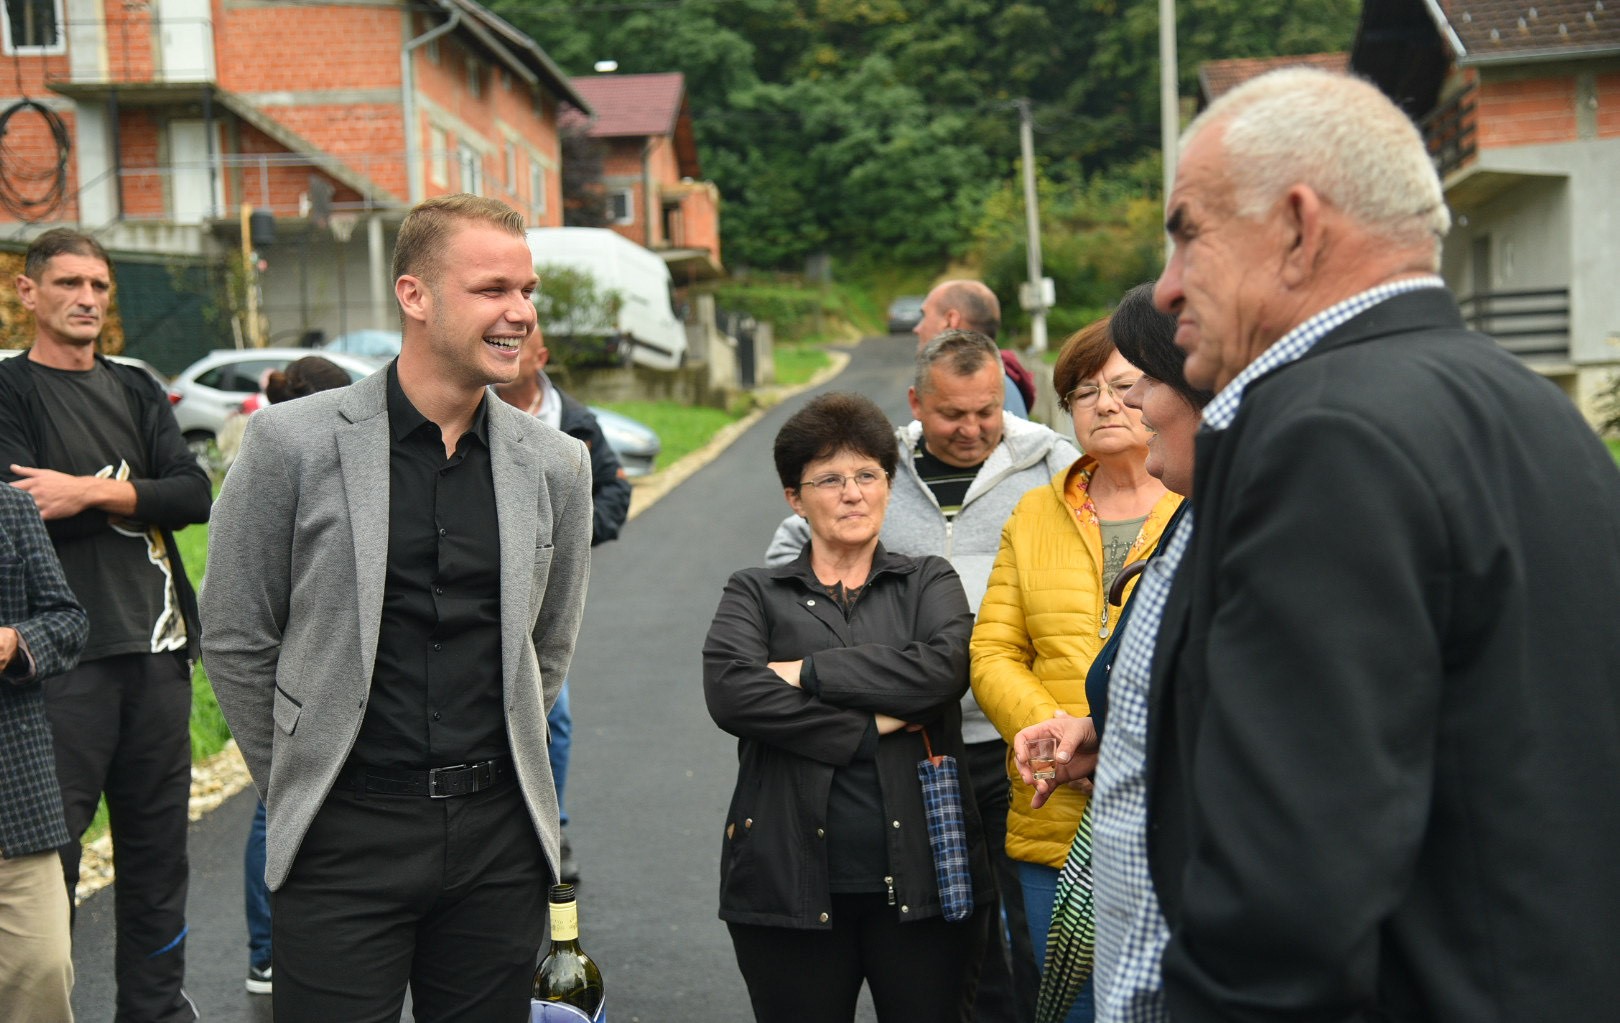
(963, 467)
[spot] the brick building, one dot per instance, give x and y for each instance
(332, 116)
(651, 171)
(1519, 101)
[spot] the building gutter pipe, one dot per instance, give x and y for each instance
(407, 85)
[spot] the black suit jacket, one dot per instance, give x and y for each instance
(1384, 751)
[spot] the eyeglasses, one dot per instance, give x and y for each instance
(1086, 395)
(834, 482)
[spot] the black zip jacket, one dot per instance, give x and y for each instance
(903, 652)
(610, 491)
(177, 494)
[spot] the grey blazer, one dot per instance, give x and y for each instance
(292, 601)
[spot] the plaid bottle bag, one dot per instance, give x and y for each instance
(947, 831)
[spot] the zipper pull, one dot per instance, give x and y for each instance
(890, 882)
(1104, 630)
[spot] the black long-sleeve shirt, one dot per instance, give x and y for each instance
(436, 696)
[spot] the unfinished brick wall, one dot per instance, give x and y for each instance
(1608, 109)
(1526, 111)
(330, 75)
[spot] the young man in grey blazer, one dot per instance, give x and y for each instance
(396, 575)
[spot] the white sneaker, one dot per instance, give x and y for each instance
(258, 981)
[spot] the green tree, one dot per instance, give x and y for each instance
(578, 315)
(875, 129)
(1099, 238)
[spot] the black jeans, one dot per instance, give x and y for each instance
(1008, 976)
(446, 895)
(121, 725)
(914, 970)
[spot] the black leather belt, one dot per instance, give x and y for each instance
(435, 783)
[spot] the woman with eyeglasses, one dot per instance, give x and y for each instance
(1046, 613)
(838, 673)
(1123, 922)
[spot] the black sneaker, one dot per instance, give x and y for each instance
(258, 980)
(570, 866)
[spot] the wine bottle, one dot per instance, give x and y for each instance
(567, 985)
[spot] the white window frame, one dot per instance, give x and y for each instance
(511, 167)
(629, 197)
(471, 165)
(438, 155)
(537, 187)
(11, 48)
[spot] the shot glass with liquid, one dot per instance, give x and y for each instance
(1043, 759)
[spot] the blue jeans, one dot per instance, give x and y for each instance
(1040, 892)
(561, 723)
(255, 895)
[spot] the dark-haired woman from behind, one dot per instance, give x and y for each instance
(836, 673)
(1130, 931)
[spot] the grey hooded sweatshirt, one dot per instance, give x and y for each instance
(1028, 456)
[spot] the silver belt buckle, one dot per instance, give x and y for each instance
(433, 781)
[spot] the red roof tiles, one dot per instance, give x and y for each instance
(633, 104)
(1218, 77)
(1488, 28)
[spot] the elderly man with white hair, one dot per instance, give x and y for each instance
(1383, 757)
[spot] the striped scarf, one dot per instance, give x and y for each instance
(1071, 942)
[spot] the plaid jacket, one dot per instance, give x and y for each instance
(34, 600)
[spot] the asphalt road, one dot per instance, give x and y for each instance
(651, 775)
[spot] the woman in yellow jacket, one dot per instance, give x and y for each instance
(1046, 612)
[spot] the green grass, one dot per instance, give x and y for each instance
(796, 364)
(208, 730)
(805, 312)
(1614, 448)
(682, 428)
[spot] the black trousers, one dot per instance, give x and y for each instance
(914, 970)
(446, 895)
(1008, 976)
(121, 725)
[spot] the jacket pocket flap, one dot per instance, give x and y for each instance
(287, 711)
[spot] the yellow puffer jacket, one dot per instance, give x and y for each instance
(1036, 637)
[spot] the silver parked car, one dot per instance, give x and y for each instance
(634, 442)
(210, 390)
(905, 313)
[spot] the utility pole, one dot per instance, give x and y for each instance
(1169, 98)
(1035, 298)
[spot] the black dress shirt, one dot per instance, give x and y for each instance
(436, 696)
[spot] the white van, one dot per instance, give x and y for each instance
(647, 322)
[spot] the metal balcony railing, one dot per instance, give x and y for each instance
(1526, 323)
(1450, 131)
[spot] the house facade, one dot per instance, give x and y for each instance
(650, 169)
(165, 120)
(1519, 102)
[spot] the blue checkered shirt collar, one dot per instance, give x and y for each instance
(1220, 413)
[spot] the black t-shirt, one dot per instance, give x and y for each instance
(949, 483)
(857, 844)
(123, 575)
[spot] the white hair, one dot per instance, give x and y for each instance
(1339, 135)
